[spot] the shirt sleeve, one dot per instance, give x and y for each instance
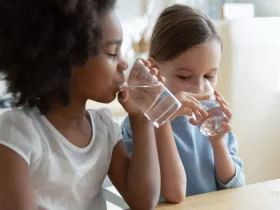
(127, 135)
(239, 178)
(113, 127)
(16, 134)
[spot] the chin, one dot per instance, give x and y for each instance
(105, 100)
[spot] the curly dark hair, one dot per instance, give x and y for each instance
(39, 42)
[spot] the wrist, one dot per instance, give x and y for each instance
(217, 144)
(165, 126)
(139, 118)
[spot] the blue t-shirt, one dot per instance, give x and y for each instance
(197, 156)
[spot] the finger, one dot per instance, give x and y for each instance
(200, 97)
(146, 63)
(201, 110)
(227, 127)
(188, 112)
(182, 112)
(150, 59)
(154, 71)
(192, 96)
(197, 115)
(190, 104)
(225, 101)
(194, 104)
(193, 122)
(162, 79)
(227, 111)
(123, 96)
(216, 93)
(188, 101)
(219, 98)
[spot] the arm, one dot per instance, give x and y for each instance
(173, 176)
(138, 178)
(224, 165)
(15, 187)
(228, 166)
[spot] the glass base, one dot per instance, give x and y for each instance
(163, 117)
(213, 125)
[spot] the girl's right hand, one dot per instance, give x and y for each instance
(191, 105)
(132, 106)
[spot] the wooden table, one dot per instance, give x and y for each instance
(261, 196)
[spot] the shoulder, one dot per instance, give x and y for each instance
(18, 133)
(103, 120)
(16, 119)
(101, 116)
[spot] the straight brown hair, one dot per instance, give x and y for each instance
(179, 28)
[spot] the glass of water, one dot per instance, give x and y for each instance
(212, 124)
(156, 102)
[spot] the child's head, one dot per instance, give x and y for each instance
(186, 48)
(55, 52)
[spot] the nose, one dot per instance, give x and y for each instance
(195, 87)
(123, 65)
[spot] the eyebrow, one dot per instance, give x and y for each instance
(214, 69)
(183, 69)
(189, 70)
(113, 42)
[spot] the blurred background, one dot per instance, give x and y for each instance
(249, 74)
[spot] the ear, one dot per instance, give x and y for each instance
(153, 62)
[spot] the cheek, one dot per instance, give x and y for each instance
(174, 85)
(100, 72)
(100, 77)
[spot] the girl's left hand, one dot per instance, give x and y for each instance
(227, 127)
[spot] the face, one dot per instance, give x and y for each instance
(189, 71)
(100, 78)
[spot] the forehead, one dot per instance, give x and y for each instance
(111, 27)
(203, 56)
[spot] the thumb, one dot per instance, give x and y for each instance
(227, 127)
(201, 97)
(123, 96)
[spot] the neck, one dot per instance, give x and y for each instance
(74, 112)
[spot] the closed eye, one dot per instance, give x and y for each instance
(183, 78)
(112, 55)
(210, 76)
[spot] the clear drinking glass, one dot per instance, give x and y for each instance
(212, 124)
(156, 102)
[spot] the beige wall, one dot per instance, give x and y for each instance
(250, 79)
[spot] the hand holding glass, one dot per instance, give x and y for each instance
(212, 125)
(156, 102)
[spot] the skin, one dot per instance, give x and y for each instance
(186, 76)
(136, 178)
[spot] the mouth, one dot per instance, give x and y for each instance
(119, 86)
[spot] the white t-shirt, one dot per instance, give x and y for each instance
(63, 176)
